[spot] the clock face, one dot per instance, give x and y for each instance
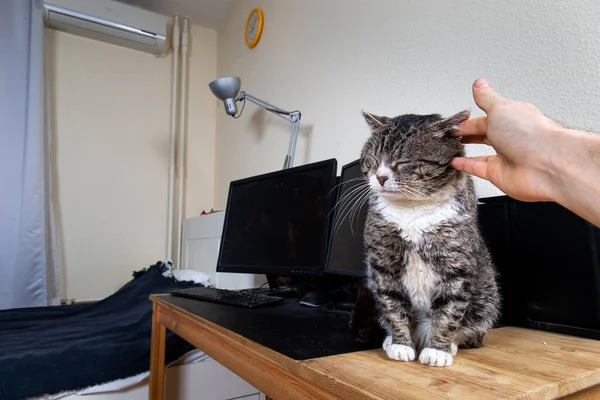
(254, 25)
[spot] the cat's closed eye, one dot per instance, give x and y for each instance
(432, 162)
(371, 161)
(397, 164)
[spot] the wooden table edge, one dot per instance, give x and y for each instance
(288, 378)
(291, 377)
(589, 393)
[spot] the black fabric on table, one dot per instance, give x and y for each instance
(52, 349)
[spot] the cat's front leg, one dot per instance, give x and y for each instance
(447, 309)
(394, 307)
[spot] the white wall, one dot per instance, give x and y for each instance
(330, 59)
(111, 119)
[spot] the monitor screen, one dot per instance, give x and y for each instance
(346, 254)
(278, 223)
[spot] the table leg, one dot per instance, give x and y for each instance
(157, 357)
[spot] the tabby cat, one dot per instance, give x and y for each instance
(430, 273)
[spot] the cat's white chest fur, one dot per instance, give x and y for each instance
(413, 221)
(419, 279)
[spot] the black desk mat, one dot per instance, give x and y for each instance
(294, 330)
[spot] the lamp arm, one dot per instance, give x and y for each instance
(280, 112)
(289, 158)
(292, 117)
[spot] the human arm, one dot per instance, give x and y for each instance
(537, 159)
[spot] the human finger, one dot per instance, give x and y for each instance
(479, 139)
(484, 95)
(474, 126)
(477, 166)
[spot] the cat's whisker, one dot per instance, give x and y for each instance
(343, 200)
(414, 192)
(411, 191)
(356, 207)
(424, 197)
(358, 185)
(343, 212)
(355, 214)
(349, 196)
(359, 178)
(347, 209)
(357, 211)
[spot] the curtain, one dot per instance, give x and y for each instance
(28, 275)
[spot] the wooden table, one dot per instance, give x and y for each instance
(514, 363)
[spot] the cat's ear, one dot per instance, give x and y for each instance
(451, 123)
(375, 122)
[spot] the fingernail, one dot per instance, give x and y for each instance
(481, 83)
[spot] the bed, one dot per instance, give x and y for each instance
(102, 350)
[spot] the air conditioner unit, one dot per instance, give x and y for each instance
(111, 22)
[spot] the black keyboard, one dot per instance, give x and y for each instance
(246, 299)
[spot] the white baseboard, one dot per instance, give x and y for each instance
(66, 302)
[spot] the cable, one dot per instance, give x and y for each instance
(260, 287)
(242, 110)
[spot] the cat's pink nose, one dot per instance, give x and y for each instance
(382, 179)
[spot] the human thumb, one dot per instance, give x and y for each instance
(484, 95)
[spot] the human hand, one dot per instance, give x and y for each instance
(524, 140)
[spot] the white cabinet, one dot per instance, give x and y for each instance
(207, 380)
(200, 252)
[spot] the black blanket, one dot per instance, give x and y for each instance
(52, 349)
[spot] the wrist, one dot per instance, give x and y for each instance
(575, 167)
(553, 162)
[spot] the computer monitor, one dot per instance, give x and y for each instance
(346, 251)
(278, 223)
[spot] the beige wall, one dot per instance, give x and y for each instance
(330, 59)
(111, 119)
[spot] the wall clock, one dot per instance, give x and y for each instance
(254, 25)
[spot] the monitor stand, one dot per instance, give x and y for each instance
(334, 291)
(272, 279)
(275, 290)
(316, 292)
(316, 298)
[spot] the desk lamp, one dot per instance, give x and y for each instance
(226, 89)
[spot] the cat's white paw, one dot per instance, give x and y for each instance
(435, 358)
(453, 349)
(398, 352)
(387, 342)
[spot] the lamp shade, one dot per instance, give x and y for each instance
(226, 89)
